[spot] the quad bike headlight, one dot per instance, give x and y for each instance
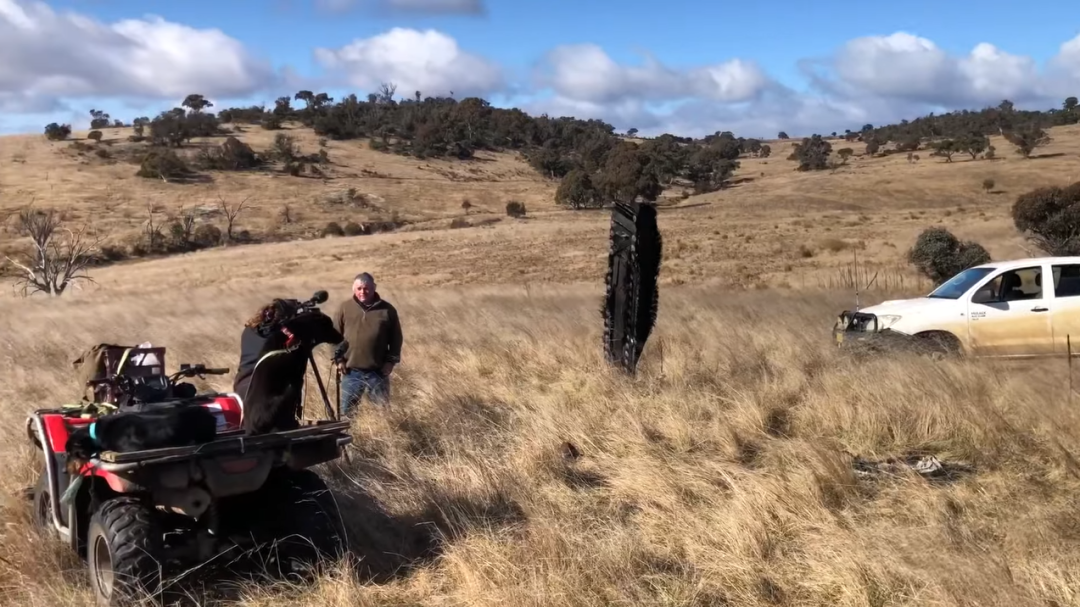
(886, 321)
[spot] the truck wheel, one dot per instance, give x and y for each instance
(304, 525)
(940, 345)
(122, 547)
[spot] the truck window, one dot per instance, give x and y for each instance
(1014, 285)
(959, 284)
(1066, 280)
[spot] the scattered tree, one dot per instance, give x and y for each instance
(1027, 138)
(99, 119)
(987, 185)
(974, 144)
(1050, 218)
(197, 103)
(577, 191)
(812, 154)
(946, 148)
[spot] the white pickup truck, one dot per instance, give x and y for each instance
(998, 309)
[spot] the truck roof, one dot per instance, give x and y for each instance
(1011, 264)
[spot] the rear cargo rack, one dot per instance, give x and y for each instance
(226, 442)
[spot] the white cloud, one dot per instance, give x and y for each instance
(872, 79)
(47, 55)
(903, 66)
(427, 61)
(48, 59)
(584, 72)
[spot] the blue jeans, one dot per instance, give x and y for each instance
(354, 382)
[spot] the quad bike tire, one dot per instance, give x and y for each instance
(41, 509)
(123, 546)
(632, 294)
(300, 523)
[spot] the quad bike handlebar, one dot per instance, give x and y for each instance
(197, 371)
(131, 390)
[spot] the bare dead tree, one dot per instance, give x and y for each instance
(231, 213)
(154, 236)
(182, 229)
(58, 256)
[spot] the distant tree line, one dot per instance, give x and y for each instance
(594, 165)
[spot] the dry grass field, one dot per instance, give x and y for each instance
(722, 476)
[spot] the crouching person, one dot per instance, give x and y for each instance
(372, 345)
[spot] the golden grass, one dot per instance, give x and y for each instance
(721, 476)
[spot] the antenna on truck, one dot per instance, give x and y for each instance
(855, 278)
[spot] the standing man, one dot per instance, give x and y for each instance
(372, 344)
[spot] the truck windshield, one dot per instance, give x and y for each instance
(959, 284)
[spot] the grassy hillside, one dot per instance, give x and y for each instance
(771, 226)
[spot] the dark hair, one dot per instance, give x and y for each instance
(269, 315)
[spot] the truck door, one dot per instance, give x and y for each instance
(1065, 307)
(1010, 315)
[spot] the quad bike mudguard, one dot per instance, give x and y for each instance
(631, 296)
(48, 429)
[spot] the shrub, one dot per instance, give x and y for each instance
(939, 255)
(515, 209)
(231, 155)
(1050, 218)
(333, 229)
(57, 132)
(353, 229)
(206, 235)
(162, 164)
(95, 135)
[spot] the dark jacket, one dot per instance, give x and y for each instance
(372, 334)
(251, 346)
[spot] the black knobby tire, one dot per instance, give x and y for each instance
(302, 523)
(631, 297)
(42, 506)
(939, 345)
(123, 551)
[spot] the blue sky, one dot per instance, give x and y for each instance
(775, 38)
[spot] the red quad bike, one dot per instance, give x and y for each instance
(134, 515)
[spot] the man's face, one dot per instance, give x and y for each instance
(363, 291)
